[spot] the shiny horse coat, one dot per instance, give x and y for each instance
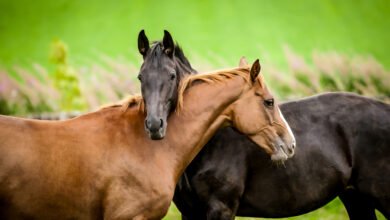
(102, 165)
(343, 149)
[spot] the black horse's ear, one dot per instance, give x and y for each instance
(143, 43)
(255, 70)
(168, 44)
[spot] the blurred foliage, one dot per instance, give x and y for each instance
(90, 86)
(65, 79)
(331, 72)
(36, 91)
(6, 108)
(24, 96)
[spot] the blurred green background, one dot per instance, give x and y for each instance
(226, 29)
(61, 56)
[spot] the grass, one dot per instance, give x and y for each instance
(332, 211)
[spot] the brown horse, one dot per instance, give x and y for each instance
(102, 165)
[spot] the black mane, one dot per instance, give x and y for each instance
(180, 55)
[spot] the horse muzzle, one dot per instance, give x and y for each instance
(283, 151)
(155, 127)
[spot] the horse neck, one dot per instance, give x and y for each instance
(190, 129)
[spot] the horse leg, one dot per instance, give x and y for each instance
(385, 208)
(191, 217)
(382, 203)
(357, 205)
(376, 189)
(140, 217)
(183, 217)
(188, 203)
(219, 210)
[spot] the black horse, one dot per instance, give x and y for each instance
(343, 149)
(160, 74)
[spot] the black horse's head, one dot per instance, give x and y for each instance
(163, 67)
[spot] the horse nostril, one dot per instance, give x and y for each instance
(287, 149)
(146, 124)
(161, 123)
(281, 147)
(293, 146)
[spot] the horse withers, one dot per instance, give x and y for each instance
(102, 165)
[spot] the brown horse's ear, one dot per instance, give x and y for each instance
(255, 70)
(143, 43)
(168, 44)
(243, 62)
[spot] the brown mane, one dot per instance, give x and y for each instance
(210, 77)
(129, 102)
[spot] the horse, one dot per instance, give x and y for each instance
(343, 150)
(228, 177)
(102, 165)
(162, 99)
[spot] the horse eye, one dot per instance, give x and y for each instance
(173, 76)
(269, 102)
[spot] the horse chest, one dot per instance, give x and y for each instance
(138, 195)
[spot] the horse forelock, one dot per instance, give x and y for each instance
(211, 77)
(156, 51)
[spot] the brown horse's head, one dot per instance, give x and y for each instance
(257, 115)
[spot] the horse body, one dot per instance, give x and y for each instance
(27, 169)
(68, 170)
(333, 160)
(343, 150)
(103, 165)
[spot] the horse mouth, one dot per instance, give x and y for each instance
(280, 155)
(155, 127)
(157, 135)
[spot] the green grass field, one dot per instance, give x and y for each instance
(332, 211)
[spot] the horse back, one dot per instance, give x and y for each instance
(44, 166)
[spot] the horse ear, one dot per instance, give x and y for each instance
(143, 43)
(255, 70)
(168, 44)
(243, 62)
